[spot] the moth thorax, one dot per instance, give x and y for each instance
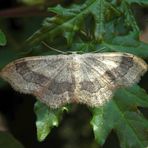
(75, 64)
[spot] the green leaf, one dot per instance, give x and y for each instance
(128, 43)
(8, 141)
(99, 18)
(140, 50)
(46, 119)
(66, 26)
(68, 22)
(140, 2)
(112, 27)
(65, 12)
(129, 17)
(3, 40)
(122, 115)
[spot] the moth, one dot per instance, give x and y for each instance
(90, 78)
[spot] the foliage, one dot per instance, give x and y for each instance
(114, 29)
(2, 39)
(122, 115)
(46, 119)
(97, 25)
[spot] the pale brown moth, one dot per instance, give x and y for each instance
(89, 78)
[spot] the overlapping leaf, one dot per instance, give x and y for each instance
(108, 21)
(115, 29)
(69, 21)
(122, 115)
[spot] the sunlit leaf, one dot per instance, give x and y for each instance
(46, 119)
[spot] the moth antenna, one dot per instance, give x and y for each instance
(99, 50)
(54, 49)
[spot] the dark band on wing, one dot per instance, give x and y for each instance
(61, 87)
(90, 86)
(125, 64)
(30, 76)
